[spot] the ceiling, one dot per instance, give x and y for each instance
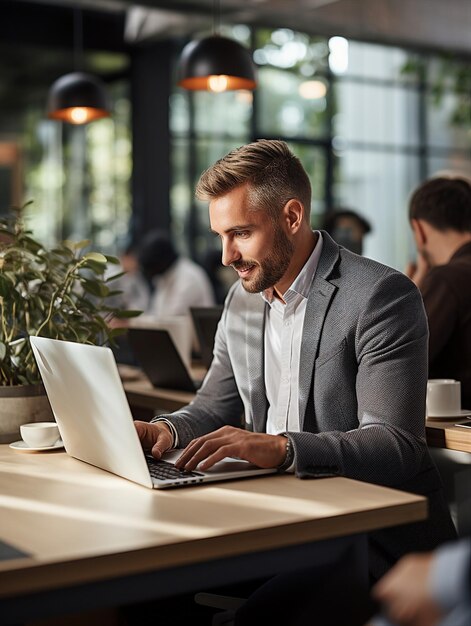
(117, 25)
(428, 24)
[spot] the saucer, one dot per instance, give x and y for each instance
(451, 415)
(23, 446)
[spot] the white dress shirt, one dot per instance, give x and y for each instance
(283, 334)
(282, 339)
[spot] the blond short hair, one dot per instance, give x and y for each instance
(272, 172)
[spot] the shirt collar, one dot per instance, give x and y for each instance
(303, 281)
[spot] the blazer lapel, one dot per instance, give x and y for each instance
(320, 296)
(254, 342)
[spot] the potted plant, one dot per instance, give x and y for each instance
(59, 292)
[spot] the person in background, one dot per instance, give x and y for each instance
(133, 294)
(347, 228)
(440, 217)
(163, 285)
(175, 283)
(428, 589)
(132, 285)
(323, 351)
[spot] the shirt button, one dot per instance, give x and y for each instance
(288, 323)
(285, 380)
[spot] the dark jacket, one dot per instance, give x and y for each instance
(447, 298)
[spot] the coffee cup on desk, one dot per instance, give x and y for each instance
(40, 434)
(443, 397)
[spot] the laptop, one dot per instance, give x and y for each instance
(95, 422)
(205, 321)
(159, 359)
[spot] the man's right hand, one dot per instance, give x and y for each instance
(155, 437)
(419, 270)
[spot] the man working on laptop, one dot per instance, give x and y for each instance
(323, 351)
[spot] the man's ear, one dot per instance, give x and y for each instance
(420, 232)
(293, 215)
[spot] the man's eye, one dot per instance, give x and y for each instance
(241, 233)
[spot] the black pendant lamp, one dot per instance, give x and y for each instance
(216, 63)
(78, 97)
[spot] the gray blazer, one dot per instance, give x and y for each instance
(362, 382)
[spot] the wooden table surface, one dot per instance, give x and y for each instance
(444, 434)
(76, 523)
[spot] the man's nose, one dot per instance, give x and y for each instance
(229, 253)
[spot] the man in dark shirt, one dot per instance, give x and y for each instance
(440, 215)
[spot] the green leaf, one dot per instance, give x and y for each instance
(97, 268)
(116, 332)
(63, 251)
(115, 276)
(125, 314)
(97, 257)
(112, 259)
(32, 244)
(3, 350)
(77, 245)
(5, 286)
(95, 288)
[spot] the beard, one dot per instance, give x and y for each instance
(268, 272)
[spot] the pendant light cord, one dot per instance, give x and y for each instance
(216, 17)
(78, 40)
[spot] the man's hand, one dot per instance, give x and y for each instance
(405, 594)
(155, 437)
(418, 271)
(260, 449)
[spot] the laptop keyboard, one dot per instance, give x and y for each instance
(167, 471)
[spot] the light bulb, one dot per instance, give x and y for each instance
(218, 83)
(78, 115)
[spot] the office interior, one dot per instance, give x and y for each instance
(372, 95)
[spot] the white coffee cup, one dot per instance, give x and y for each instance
(40, 434)
(443, 397)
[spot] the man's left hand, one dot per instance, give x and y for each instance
(260, 449)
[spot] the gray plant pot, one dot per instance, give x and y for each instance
(22, 404)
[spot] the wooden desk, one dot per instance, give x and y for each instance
(444, 434)
(91, 540)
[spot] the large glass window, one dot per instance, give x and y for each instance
(204, 127)
(389, 132)
(366, 130)
(79, 176)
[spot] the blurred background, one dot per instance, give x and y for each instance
(373, 95)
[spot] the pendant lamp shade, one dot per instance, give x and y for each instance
(77, 98)
(216, 64)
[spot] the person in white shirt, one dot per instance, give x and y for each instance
(164, 286)
(174, 283)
